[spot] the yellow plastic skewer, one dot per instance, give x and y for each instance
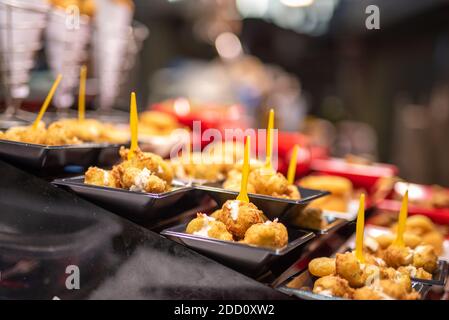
(243, 195)
(133, 123)
(269, 146)
(82, 94)
(292, 165)
(47, 101)
(399, 241)
(360, 230)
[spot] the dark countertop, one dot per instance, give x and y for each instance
(44, 229)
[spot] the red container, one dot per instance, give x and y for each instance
(361, 175)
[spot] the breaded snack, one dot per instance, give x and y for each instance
(340, 188)
(367, 293)
(311, 218)
(270, 234)
(434, 239)
(206, 226)
(396, 256)
(333, 286)
(136, 179)
(424, 257)
(239, 216)
(195, 166)
(414, 272)
(411, 240)
(157, 123)
(418, 225)
(148, 160)
(100, 177)
(59, 134)
(348, 267)
(27, 134)
(321, 267)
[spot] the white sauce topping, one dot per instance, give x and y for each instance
(141, 180)
(204, 231)
(420, 249)
(105, 178)
(327, 293)
(371, 244)
(233, 206)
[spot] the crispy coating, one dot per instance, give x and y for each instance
(396, 256)
(270, 234)
(414, 272)
(311, 218)
(204, 225)
(263, 181)
(148, 160)
(418, 225)
(348, 267)
(425, 257)
(136, 179)
(100, 177)
(195, 168)
(321, 267)
(435, 239)
(411, 240)
(27, 134)
(367, 293)
(58, 134)
(334, 286)
(239, 216)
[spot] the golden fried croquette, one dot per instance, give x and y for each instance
(263, 181)
(215, 214)
(414, 272)
(148, 160)
(206, 226)
(144, 180)
(333, 286)
(270, 234)
(424, 257)
(394, 289)
(193, 167)
(157, 123)
(310, 218)
(27, 134)
(396, 256)
(339, 187)
(411, 240)
(348, 267)
(321, 267)
(239, 216)
(435, 239)
(59, 134)
(100, 177)
(418, 225)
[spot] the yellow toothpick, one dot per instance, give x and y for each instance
(399, 241)
(47, 101)
(243, 195)
(133, 123)
(292, 165)
(360, 230)
(82, 94)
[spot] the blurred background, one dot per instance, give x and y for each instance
(380, 94)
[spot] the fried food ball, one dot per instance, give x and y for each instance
(348, 267)
(411, 240)
(215, 214)
(340, 188)
(234, 183)
(425, 257)
(136, 179)
(395, 290)
(157, 123)
(196, 167)
(321, 267)
(333, 286)
(206, 226)
(239, 216)
(435, 239)
(148, 160)
(396, 256)
(311, 218)
(27, 134)
(414, 272)
(270, 234)
(269, 182)
(100, 177)
(59, 134)
(418, 225)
